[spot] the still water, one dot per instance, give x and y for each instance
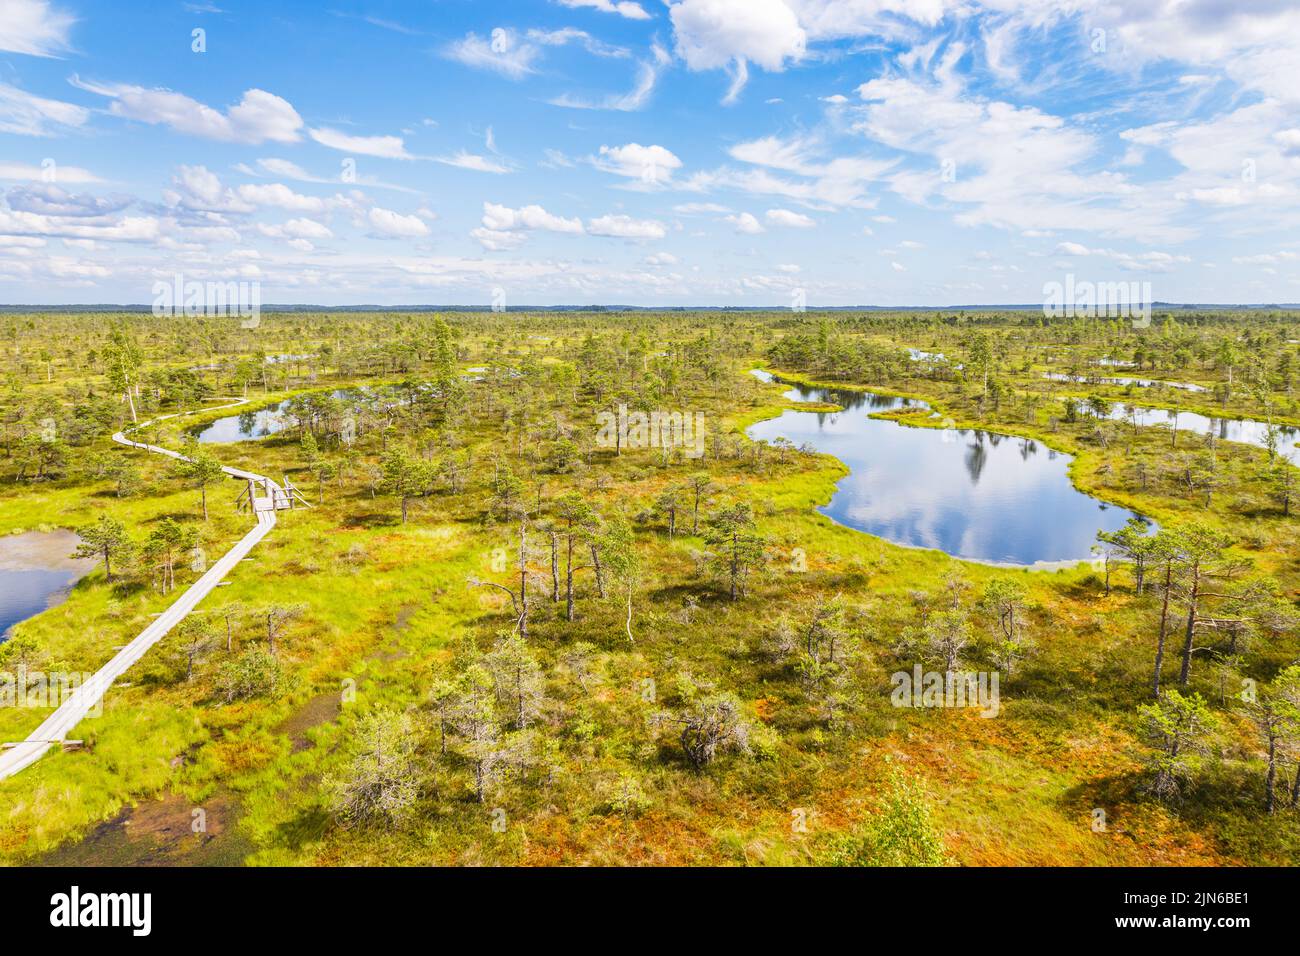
(1244, 430)
(36, 573)
(250, 425)
(1125, 380)
(971, 494)
(245, 425)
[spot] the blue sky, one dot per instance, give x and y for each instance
(699, 152)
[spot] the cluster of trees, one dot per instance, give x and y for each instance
(155, 557)
(1211, 604)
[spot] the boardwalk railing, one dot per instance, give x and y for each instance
(61, 723)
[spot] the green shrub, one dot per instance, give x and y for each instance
(901, 834)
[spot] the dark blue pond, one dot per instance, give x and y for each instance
(35, 573)
(972, 494)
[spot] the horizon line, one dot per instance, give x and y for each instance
(622, 307)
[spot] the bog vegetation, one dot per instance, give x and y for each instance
(495, 638)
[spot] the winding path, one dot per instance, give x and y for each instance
(63, 721)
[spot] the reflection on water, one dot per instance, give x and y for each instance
(246, 425)
(1124, 380)
(970, 493)
(1244, 430)
(258, 424)
(36, 573)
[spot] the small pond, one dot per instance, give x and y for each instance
(970, 493)
(36, 573)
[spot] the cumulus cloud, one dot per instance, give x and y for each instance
(504, 219)
(196, 189)
(258, 117)
(281, 197)
(745, 223)
(650, 165)
(712, 34)
(387, 224)
(51, 200)
(789, 218)
(303, 229)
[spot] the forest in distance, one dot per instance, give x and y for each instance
(852, 588)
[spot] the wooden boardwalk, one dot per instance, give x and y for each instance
(56, 728)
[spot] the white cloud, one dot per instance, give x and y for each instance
(624, 8)
(713, 34)
(566, 35)
(745, 223)
(499, 218)
(501, 52)
(661, 259)
(482, 164)
(257, 118)
(52, 200)
(126, 229)
(280, 196)
(1015, 167)
(496, 241)
(699, 208)
(789, 218)
(34, 27)
(837, 19)
(285, 169)
(625, 227)
(197, 189)
(300, 229)
(282, 167)
(383, 147)
(651, 165)
(28, 115)
(792, 155)
(63, 174)
(1289, 140)
(386, 224)
(1149, 261)
(647, 76)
